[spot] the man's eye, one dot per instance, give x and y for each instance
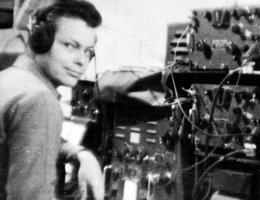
(90, 53)
(69, 45)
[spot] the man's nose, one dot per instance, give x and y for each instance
(80, 58)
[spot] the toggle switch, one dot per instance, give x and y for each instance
(208, 16)
(202, 45)
(235, 14)
(237, 29)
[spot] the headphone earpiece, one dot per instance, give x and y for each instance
(41, 37)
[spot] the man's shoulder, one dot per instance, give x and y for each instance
(18, 84)
(19, 80)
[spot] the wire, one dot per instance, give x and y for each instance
(225, 123)
(219, 136)
(96, 78)
(134, 37)
(178, 42)
(200, 162)
(209, 188)
(206, 108)
(176, 93)
(218, 92)
(155, 98)
(102, 146)
(180, 106)
(172, 65)
(149, 187)
(180, 100)
(207, 155)
(215, 101)
(211, 114)
(202, 177)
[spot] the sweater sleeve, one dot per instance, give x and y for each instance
(33, 143)
(69, 151)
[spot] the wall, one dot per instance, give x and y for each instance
(134, 32)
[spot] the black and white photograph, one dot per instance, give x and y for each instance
(129, 100)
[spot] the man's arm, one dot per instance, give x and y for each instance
(89, 172)
(33, 129)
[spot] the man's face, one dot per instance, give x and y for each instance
(70, 53)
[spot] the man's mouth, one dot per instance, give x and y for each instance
(74, 74)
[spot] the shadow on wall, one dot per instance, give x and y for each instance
(11, 41)
(7, 59)
(11, 45)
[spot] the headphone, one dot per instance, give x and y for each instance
(42, 22)
(41, 31)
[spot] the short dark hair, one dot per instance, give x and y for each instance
(44, 26)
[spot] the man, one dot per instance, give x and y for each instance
(60, 46)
